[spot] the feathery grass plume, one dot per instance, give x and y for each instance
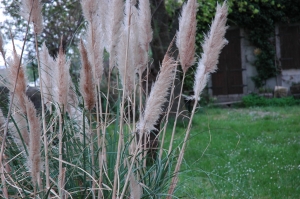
(35, 141)
(133, 46)
(186, 34)
(212, 46)
(121, 55)
(46, 62)
(128, 51)
(87, 85)
(158, 95)
(95, 48)
(61, 83)
(145, 32)
(113, 26)
(136, 190)
(22, 126)
(124, 74)
(20, 84)
(19, 100)
(90, 9)
(213, 43)
(31, 10)
(144, 21)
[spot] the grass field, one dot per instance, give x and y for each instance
(243, 153)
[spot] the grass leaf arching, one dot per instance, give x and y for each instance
(112, 163)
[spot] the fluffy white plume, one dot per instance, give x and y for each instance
(46, 72)
(86, 83)
(186, 35)
(90, 9)
(34, 141)
(95, 13)
(145, 32)
(212, 46)
(128, 48)
(158, 95)
(21, 84)
(35, 8)
(95, 49)
(61, 79)
(113, 26)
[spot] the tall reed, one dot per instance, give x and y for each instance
(93, 145)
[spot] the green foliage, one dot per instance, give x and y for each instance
(258, 18)
(256, 100)
(205, 14)
(32, 72)
(61, 18)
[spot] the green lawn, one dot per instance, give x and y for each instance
(243, 153)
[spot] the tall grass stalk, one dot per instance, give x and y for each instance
(3, 181)
(95, 150)
(212, 46)
(121, 135)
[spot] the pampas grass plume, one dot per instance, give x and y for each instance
(90, 9)
(34, 143)
(145, 32)
(32, 10)
(113, 26)
(61, 79)
(213, 43)
(87, 85)
(46, 73)
(144, 21)
(158, 95)
(186, 34)
(16, 73)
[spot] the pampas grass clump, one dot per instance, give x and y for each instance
(83, 145)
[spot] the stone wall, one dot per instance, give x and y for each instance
(249, 53)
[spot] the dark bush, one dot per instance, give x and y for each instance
(256, 100)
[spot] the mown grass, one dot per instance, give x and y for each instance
(242, 153)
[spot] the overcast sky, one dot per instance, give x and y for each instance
(8, 46)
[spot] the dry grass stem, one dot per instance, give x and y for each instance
(125, 161)
(186, 35)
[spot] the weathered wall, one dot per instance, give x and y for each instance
(249, 56)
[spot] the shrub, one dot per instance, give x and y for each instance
(256, 100)
(80, 148)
